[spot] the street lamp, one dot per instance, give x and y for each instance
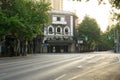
(116, 41)
(116, 38)
(77, 40)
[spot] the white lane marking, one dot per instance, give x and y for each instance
(60, 77)
(94, 60)
(79, 66)
(105, 64)
(32, 60)
(41, 67)
(73, 78)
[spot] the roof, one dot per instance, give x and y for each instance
(61, 12)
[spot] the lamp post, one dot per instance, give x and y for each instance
(116, 37)
(116, 41)
(77, 40)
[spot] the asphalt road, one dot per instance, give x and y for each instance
(87, 66)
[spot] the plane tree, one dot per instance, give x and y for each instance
(22, 20)
(115, 5)
(29, 14)
(89, 32)
(107, 38)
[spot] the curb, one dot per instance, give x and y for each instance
(1, 58)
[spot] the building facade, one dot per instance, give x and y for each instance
(59, 33)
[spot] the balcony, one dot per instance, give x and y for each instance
(59, 22)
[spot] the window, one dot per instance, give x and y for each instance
(66, 31)
(50, 30)
(58, 19)
(58, 30)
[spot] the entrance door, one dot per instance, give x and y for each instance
(66, 48)
(61, 49)
(57, 49)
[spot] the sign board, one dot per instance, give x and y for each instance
(80, 41)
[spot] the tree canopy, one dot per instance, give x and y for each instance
(114, 3)
(89, 28)
(89, 31)
(23, 18)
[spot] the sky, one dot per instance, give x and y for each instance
(99, 12)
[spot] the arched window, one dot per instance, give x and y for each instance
(66, 30)
(50, 30)
(59, 30)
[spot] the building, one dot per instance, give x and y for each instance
(56, 4)
(59, 33)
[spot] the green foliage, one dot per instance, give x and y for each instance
(106, 41)
(89, 31)
(3, 21)
(23, 18)
(89, 28)
(115, 3)
(107, 38)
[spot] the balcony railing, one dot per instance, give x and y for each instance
(59, 22)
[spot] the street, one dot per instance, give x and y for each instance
(60, 66)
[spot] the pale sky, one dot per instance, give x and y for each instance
(91, 8)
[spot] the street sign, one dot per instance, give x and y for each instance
(80, 41)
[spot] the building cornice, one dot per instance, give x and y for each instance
(61, 12)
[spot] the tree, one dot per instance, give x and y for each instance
(23, 19)
(106, 42)
(115, 4)
(30, 15)
(114, 33)
(3, 21)
(89, 31)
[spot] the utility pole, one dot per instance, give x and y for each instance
(116, 41)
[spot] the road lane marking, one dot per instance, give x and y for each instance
(102, 66)
(18, 62)
(34, 60)
(60, 77)
(79, 66)
(41, 67)
(31, 60)
(24, 61)
(95, 60)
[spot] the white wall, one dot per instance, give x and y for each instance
(71, 25)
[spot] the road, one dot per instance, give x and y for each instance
(83, 66)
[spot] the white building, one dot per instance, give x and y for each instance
(59, 33)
